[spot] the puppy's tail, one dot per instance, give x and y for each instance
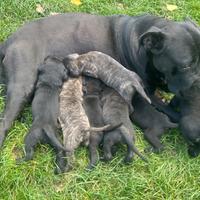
(125, 132)
(107, 127)
(139, 154)
(141, 91)
(54, 140)
(171, 125)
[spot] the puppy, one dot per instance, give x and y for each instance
(115, 110)
(45, 107)
(113, 74)
(93, 108)
(73, 119)
(153, 122)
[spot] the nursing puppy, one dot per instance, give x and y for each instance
(109, 71)
(153, 122)
(73, 119)
(45, 107)
(115, 110)
(93, 108)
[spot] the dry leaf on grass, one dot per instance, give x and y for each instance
(76, 2)
(171, 7)
(54, 13)
(39, 9)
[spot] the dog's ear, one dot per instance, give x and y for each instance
(153, 40)
(69, 58)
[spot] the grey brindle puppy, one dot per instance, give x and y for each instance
(115, 110)
(73, 119)
(109, 71)
(45, 107)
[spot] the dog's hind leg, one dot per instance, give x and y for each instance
(131, 149)
(95, 140)
(110, 139)
(21, 76)
(53, 139)
(128, 140)
(31, 140)
(152, 136)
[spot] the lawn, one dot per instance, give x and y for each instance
(169, 175)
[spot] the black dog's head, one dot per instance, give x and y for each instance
(52, 72)
(190, 127)
(176, 52)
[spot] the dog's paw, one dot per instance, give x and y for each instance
(193, 153)
(128, 160)
(106, 158)
(90, 167)
(151, 149)
(19, 161)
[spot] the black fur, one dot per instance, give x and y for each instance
(45, 107)
(153, 122)
(115, 110)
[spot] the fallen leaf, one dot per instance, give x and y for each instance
(120, 6)
(171, 7)
(54, 13)
(39, 9)
(76, 2)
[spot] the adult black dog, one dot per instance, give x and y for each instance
(156, 48)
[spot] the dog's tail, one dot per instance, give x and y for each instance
(53, 139)
(171, 125)
(107, 127)
(141, 91)
(139, 154)
(130, 143)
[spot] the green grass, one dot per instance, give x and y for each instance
(169, 175)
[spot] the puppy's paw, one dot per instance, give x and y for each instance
(19, 161)
(128, 160)
(193, 153)
(106, 158)
(151, 149)
(90, 167)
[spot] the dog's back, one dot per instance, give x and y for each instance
(72, 117)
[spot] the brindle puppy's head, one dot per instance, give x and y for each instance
(73, 64)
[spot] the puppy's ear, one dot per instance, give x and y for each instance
(153, 40)
(69, 58)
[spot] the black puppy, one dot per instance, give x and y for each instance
(93, 108)
(153, 122)
(45, 107)
(115, 110)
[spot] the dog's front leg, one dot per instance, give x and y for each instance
(20, 84)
